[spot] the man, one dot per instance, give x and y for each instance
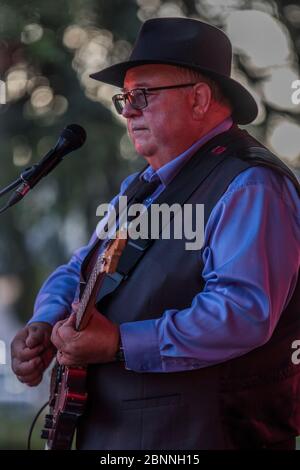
(206, 334)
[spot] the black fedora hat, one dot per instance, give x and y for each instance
(188, 43)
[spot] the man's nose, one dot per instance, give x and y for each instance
(129, 111)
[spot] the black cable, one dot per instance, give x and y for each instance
(33, 424)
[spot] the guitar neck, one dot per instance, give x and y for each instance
(87, 301)
(106, 263)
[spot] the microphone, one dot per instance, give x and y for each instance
(71, 138)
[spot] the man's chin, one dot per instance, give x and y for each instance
(143, 150)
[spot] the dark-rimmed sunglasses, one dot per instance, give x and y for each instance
(138, 96)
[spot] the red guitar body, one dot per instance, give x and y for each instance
(68, 397)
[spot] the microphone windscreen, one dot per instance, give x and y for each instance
(74, 136)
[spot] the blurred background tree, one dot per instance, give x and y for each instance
(47, 51)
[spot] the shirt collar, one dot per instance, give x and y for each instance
(168, 171)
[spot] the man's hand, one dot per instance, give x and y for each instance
(32, 352)
(97, 343)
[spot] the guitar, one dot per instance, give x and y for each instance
(68, 393)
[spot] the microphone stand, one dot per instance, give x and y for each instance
(71, 138)
(22, 181)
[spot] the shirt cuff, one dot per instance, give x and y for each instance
(48, 314)
(141, 349)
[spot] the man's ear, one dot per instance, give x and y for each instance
(202, 100)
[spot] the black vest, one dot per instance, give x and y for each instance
(248, 401)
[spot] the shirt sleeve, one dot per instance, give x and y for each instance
(53, 302)
(251, 258)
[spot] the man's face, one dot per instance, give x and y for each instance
(162, 130)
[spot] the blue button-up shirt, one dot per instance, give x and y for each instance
(251, 259)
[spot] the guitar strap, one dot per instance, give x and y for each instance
(194, 173)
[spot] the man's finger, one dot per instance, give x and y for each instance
(35, 382)
(75, 306)
(73, 319)
(31, 382)
(67, 360)
(36, 336)
(27, 353)
(32, 377)
(25, 368)
(55, 336)
(70, 321)
(48, 355)
(18, 343)
(57, 325)
(63, 333)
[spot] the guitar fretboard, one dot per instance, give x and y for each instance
(82, 307)
(106, 262)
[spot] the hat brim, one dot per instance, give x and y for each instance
(244, 106)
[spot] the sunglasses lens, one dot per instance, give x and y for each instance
(137, 99)
(119, 102)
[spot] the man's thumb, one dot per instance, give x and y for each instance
(71, 320)
(35, 336)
